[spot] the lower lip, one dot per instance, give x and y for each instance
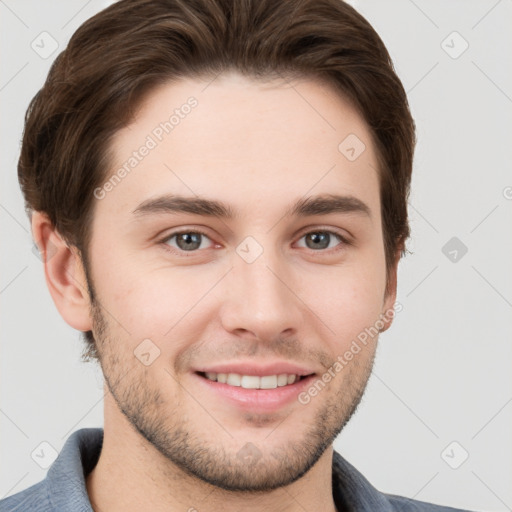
(257, 400)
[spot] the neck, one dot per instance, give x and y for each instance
(131, 475)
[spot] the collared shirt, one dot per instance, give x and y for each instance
(64, 488)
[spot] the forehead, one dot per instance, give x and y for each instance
(245, 140)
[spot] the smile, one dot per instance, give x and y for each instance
(253, 381)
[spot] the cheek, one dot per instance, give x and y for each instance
(347, 300)
(144, 303)
(168, 305)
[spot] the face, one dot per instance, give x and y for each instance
(234, 262)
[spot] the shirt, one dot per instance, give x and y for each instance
(64, 488)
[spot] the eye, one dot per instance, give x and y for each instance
(318, 240)
(193, 240)
(188, 241)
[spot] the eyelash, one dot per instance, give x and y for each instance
(343, 241)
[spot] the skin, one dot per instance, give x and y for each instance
(259, 147)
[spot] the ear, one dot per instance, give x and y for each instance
(64, 273)
(387, 313)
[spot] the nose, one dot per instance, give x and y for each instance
(261, 300)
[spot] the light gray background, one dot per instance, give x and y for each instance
(443, 371)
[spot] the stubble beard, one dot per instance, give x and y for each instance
(176, 438)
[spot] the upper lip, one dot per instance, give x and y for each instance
(260, 370)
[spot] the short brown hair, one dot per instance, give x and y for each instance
(121, 54)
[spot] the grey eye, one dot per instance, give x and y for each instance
(186, 240)
(320, 239)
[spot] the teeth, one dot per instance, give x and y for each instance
(282, 379)
(253, 381)
(268, 382)
(250, 382)
(234, 379)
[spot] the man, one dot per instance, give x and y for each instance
(219, 189)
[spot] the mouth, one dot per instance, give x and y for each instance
(254, 381)
(264, 393)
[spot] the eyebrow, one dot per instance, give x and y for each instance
(317, 205)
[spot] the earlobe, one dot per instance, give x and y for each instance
(64, 273)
